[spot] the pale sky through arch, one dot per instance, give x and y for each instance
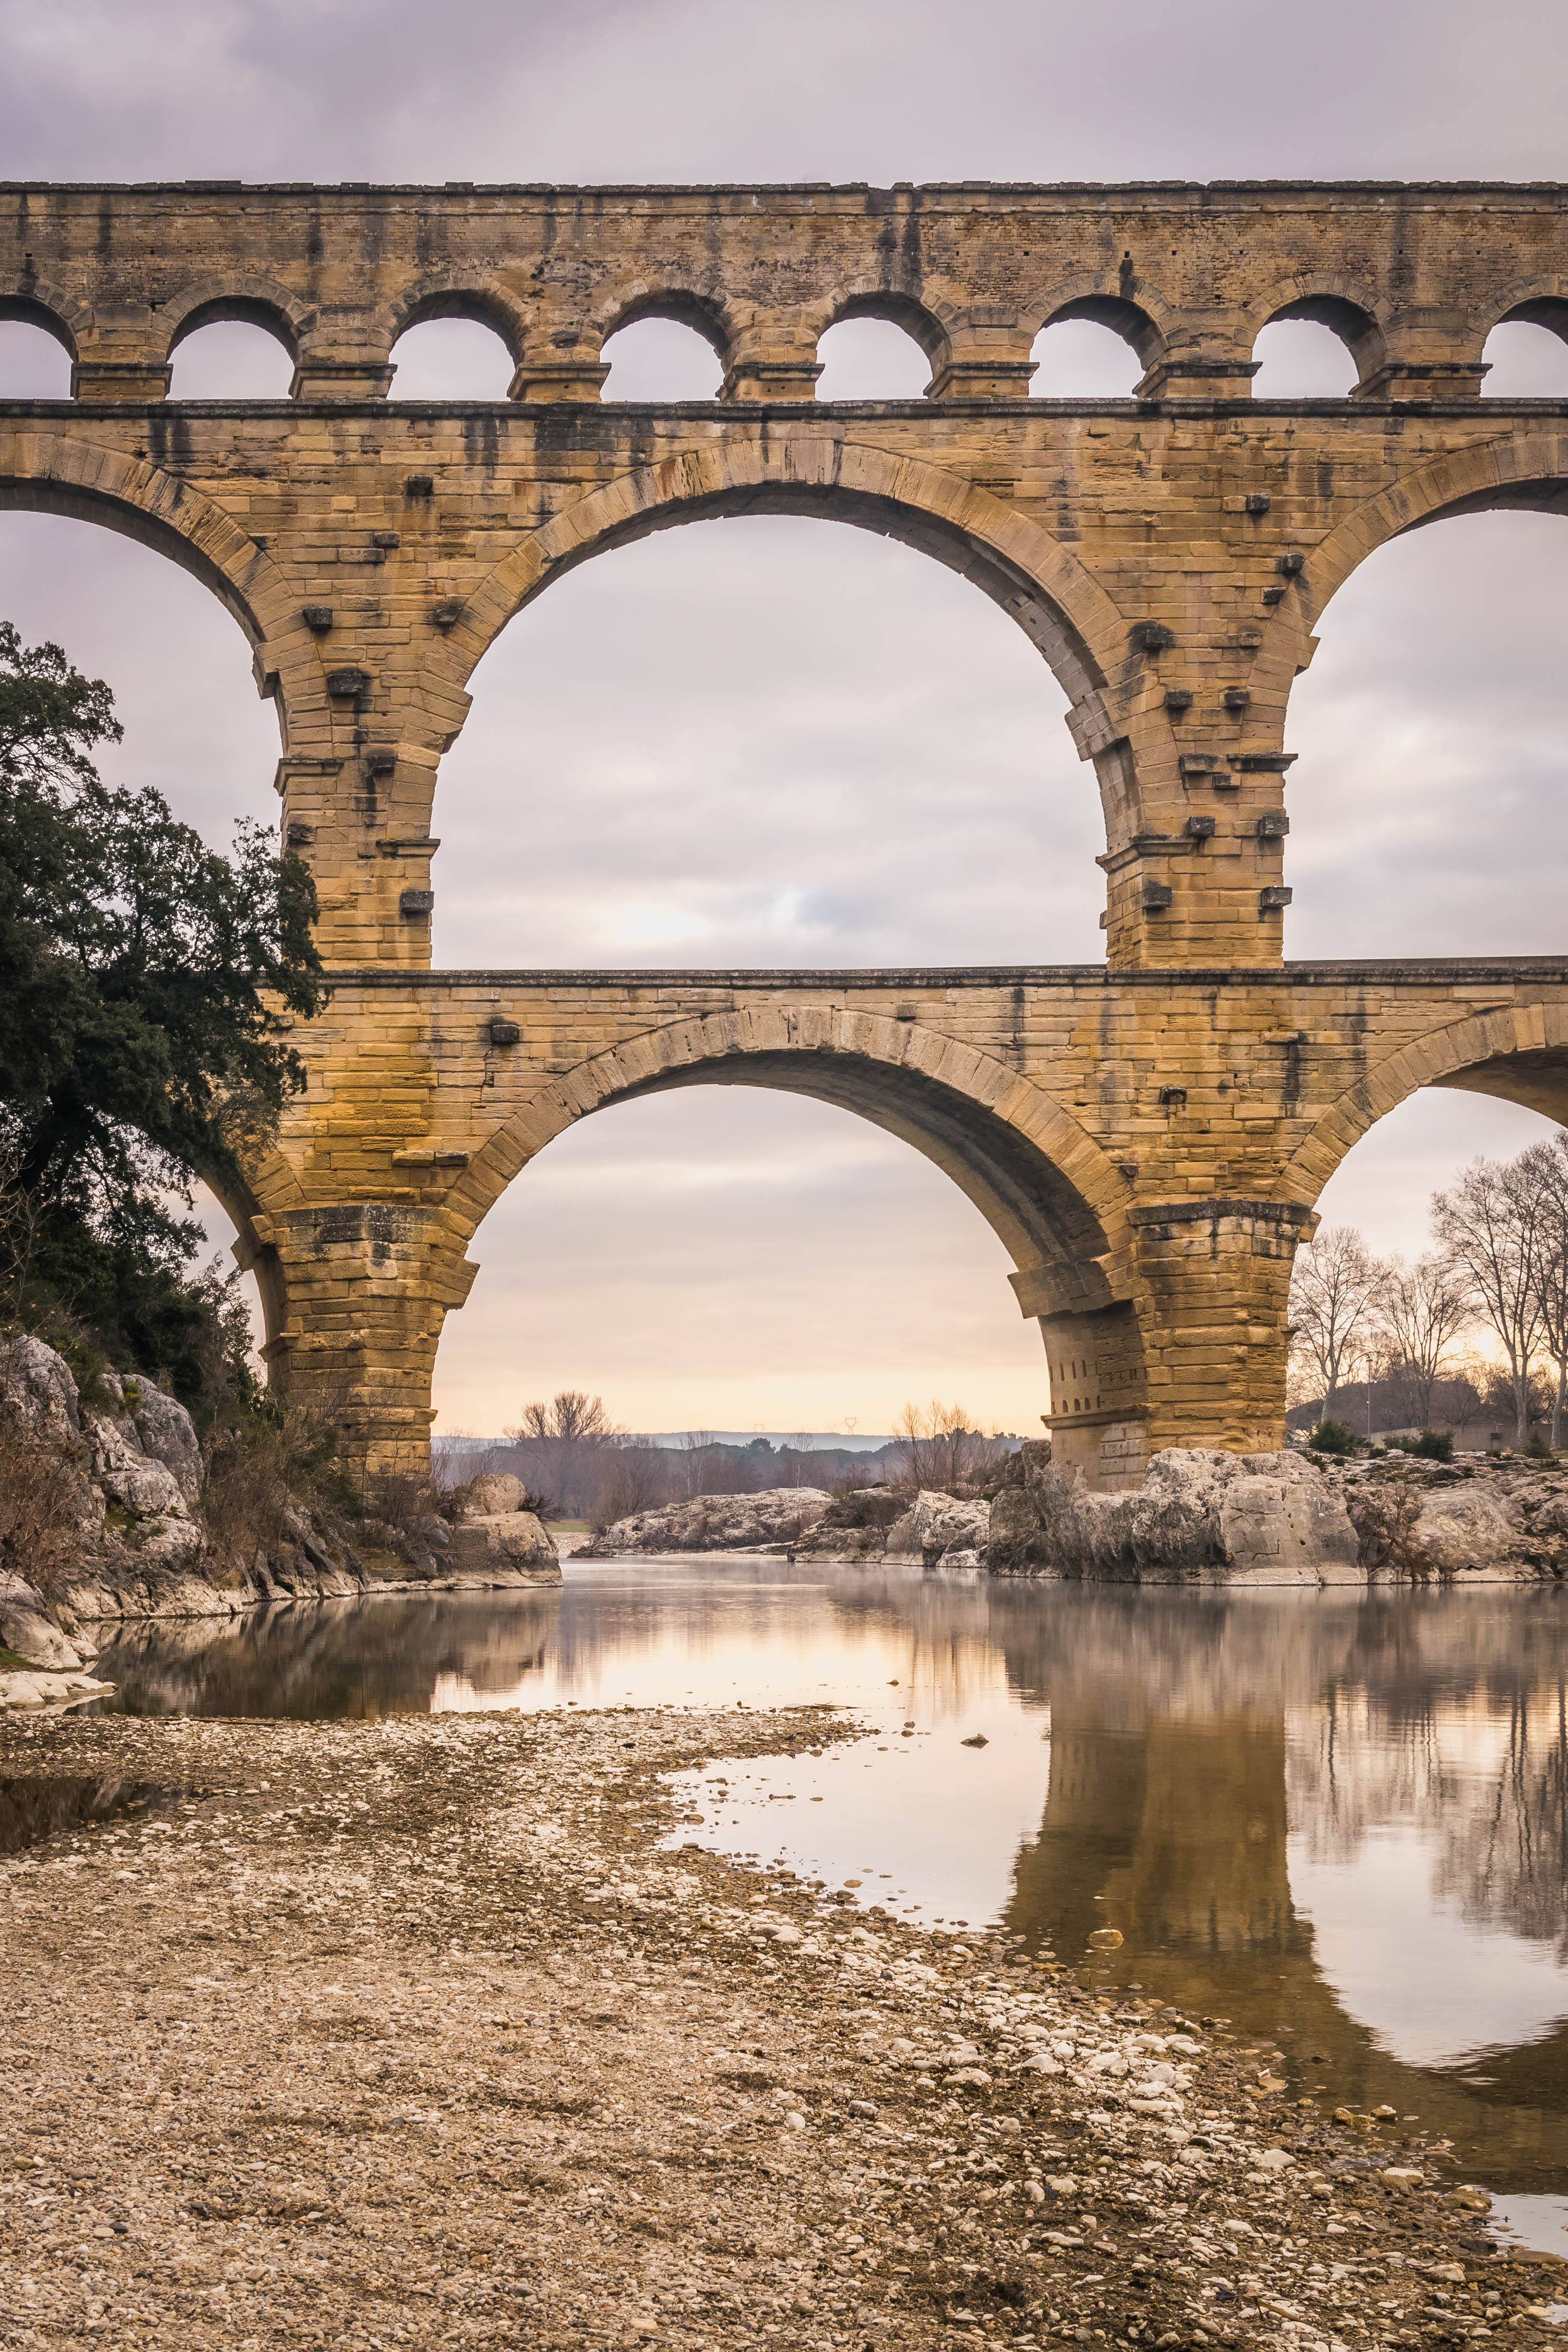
(1427, 801)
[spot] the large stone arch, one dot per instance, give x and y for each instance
(48, 474)
(1517, 1052)
(1048, 1191)
(815, 471)
(1525, 471)
(1054, 599)
(1044, 1185)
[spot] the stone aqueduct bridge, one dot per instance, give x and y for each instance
(1148, 1137)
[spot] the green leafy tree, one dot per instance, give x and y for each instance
(146, 983)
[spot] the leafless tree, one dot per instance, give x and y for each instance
(1335, 1290)
(558, 1448)
(1545, 1165)
(1421, 1311)
(939, 1450)
(1489, 1229)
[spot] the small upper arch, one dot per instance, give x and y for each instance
(1130, 320)
(1535, 302)
(1523, 349)
(1320, 372)
(1345, 307)
(31, 302)
(681, 305)
(249, 301)
(916, 320)
(456, 295)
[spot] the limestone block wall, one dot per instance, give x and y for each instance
(1169, 555)
(1148, 1136)
(1148, 1146)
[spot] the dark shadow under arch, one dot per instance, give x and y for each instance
(895, 310)
(85, 503)
(237, 310)
(1536, 1079)
(680, 309)
(25, 311)
(1025, 600)
(1124, 318)
(1356, 328)
(1039, 1216)
(474, 304)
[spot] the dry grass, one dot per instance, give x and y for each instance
(41, 1507)
(1120, 1535)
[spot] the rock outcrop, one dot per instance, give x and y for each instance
(1502, 1521)
(1201, 1516)
(1207, 1517)
(883, 1523)
(779, 1515)
(126, 1515)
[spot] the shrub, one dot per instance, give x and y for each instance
(1334, 1437)
(867, 1507)
(1434, 1445)
(41, 1507)
(266, 1463)
(1538, 1445)
(1384, 1514)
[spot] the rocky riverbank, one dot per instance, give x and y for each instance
(866, 1523)
(120, 1486)
(1201, 1516)
(1207, 1517)
(415, 2032)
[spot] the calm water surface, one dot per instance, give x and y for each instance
(1339, 1820)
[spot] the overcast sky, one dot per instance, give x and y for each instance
(782, 742)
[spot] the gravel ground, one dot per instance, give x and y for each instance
(413, 2030)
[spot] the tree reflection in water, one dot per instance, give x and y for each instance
(1339, 1820)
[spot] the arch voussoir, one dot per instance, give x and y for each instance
(1461, 478)
(1438, 1057)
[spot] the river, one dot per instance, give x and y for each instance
(1339, 1820)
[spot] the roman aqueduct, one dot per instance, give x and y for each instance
(1147, 1135)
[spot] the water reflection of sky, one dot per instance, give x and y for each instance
(1474, 1985)
(1339, 1820)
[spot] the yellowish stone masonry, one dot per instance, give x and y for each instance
(1148, 1137)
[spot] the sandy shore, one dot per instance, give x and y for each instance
(411, 2032)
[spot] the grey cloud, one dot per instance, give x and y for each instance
(684, 89)
(776, 742)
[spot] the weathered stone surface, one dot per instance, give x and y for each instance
(1201, 1516)
(28, 1633)
(37, 1383)
(42, 1688)
(1280, 1522)
(495, 1491)
(934, 1524)
(144, 1550)
(503, 1540)
(1493, 1521)
(714, 1523)
(167, 1436)
(1171, 556)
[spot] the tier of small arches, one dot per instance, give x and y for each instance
(256, 342)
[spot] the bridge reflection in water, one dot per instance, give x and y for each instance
(1339, 1820)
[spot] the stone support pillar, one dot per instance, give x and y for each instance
(363, 1288)
(1214, 1280)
